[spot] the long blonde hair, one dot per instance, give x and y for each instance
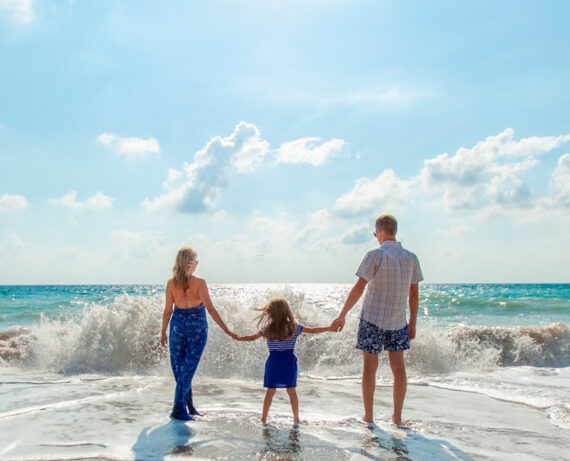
(185, 259)
(276, 320)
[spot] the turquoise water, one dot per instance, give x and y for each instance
(497, 304)
(23, 305)
(474, 304)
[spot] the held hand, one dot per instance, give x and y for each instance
(163, 340)
(411, 331)
(232, 334)
(337, 324)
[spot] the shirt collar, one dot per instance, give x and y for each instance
(391, 243)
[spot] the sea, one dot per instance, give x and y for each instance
(83, 376)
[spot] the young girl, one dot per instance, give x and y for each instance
(281, 331)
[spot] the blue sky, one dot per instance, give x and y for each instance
(269, 135)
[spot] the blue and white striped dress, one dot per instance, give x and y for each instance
(281, 365)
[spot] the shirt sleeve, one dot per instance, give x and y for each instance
(417, 275)
(368, 266)
(299, 329)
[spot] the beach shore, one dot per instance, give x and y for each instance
(53, 417)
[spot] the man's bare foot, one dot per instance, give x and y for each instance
(400, 423)
(264, 420)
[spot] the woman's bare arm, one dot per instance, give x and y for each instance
(167, 313)
(205, 298)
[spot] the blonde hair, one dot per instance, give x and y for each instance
(276, 320)
(185, 259)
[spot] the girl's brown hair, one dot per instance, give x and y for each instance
(185, 259)
(276, 320)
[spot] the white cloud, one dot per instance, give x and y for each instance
(199, 185)
(308, 150)
(98, 202)
(14, 245)
(483, 177)
(371, 195)
(264, 223)
(357, 234)
(306, 234)
(560, 182)
(21, 10)
(455, 232)
(12, 202)
(130, 147)
(137, 244)
(251, 147)
(321, 217)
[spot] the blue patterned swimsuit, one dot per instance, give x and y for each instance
(188, 335)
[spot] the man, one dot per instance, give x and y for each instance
(392, 275)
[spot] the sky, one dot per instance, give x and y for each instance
(270, 135)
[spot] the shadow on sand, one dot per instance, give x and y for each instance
(405, 444)
(297, 443)
(170, 439)
(394, 445)
(280, 445)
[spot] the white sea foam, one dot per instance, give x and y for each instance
(123, 336)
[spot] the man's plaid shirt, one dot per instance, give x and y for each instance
(390, 271)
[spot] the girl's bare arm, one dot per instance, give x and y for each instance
(316, 330)
(250, 337)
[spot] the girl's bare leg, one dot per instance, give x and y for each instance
(267, 403)
(294, 403)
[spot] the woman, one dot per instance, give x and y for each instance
(187, 300)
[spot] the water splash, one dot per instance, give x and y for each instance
(123, 337)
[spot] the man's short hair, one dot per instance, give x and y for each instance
(388, 224)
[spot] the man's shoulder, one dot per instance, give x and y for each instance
(399, 251)
(375, 253)
(409, 253)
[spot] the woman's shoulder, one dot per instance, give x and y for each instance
(197, 280)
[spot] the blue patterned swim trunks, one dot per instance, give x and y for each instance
(372, 339)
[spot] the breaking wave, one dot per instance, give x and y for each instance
(123, 337)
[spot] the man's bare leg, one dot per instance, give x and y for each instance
(369, 367)
(400, 383)
(267, 403)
